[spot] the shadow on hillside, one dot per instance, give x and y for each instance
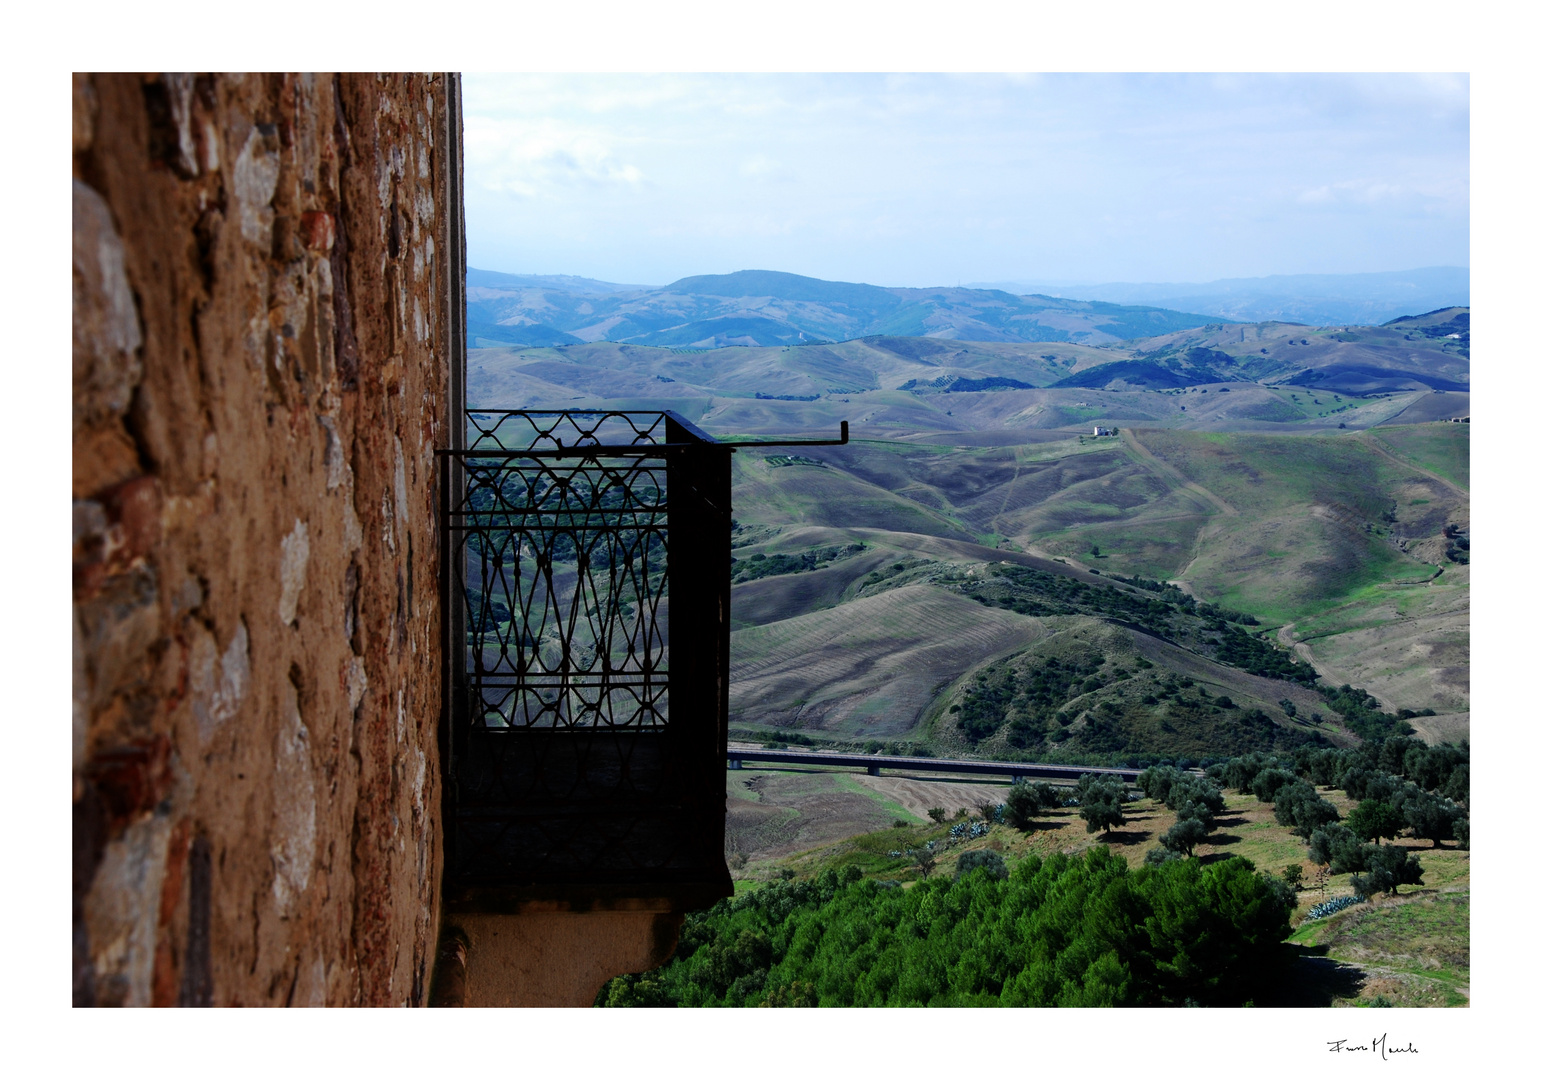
(1313, 981)
(1125, 837)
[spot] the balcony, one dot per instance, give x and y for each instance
(586, 581)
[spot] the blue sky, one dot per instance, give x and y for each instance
(915, 180)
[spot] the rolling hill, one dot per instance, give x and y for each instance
(763, 307)
(1318, 299)
(1218, 377)
(1332, 543)
(1290, 477)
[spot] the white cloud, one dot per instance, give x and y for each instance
(902, 179)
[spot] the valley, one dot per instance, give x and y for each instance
(1265, 550)
(1272, 493)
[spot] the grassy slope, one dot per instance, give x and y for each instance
(1296, 550)
(1440, 448)
(869, 667)
(1311, 529)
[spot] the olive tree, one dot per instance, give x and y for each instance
(1375, 820)
(1184, 834)
(1385, 869)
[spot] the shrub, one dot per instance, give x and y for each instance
(1159, 855)
(937, 814)
(1293, 875)
(991, 861)
(1431, 767)
(1456, 787)
(1241, 771)
(1093, 786)
(1353, 780)
(1282, 889)
(1334, 906)
(1101, 815)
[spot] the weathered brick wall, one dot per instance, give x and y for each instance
(261, 377)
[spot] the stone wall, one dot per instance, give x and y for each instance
(261, 375)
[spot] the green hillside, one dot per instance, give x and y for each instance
(1294, 543)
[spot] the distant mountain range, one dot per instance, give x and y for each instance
(1221, 377)
(1314, 299)
(764, 307)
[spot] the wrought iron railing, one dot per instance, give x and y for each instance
(587, 634)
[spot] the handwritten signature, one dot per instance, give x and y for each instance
(1378, 1046)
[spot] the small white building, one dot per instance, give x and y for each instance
(1096, 430)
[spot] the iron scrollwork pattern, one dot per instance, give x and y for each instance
(571, 760)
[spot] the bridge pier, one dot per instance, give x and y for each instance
(735, 763)
(872, 770)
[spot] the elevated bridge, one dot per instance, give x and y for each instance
(874, 764)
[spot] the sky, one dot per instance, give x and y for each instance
(922, 180)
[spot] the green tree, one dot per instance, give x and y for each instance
(1432, 818)
(1157, 780)
(1022, 806)
(1267, 782)
(1373, 820)
(990, 861)
(1297, 804)
(1194, 789)
(1293, 875)
(925, 861)
(1339, 848)
(1102, 815)
(1184, 835)
(937, 814)
(1386, 868)
(1049, 795)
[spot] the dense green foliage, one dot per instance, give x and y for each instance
(989, 861)
(1335, 846)
(1037, 698)
(1375, 820)
(1072, 931)
(1196, 800)
(1170, 614)
(1362, 713)
(1298, 805)
(1256, 656)
(1385, 869)
(1031, 697)
(761, 566)
(1023, 805)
